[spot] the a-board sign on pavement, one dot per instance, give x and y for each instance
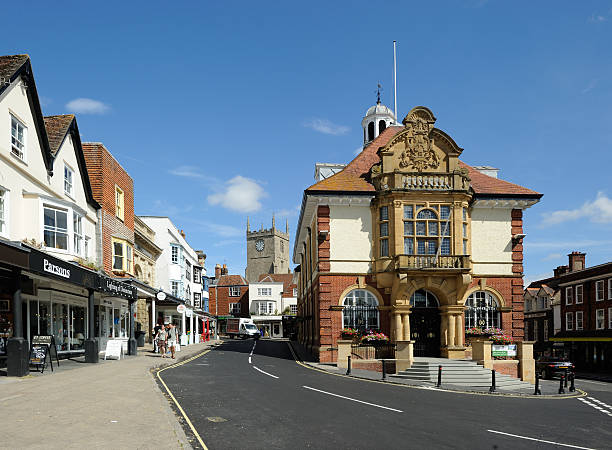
(114, 348)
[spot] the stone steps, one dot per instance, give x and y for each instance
(465, 373)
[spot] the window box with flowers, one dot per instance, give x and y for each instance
(350, 334)
(374, 338)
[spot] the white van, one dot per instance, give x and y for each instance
(244, 328)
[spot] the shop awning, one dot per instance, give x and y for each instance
(14, 255)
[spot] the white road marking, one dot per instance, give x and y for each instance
(254, 344)
(265, 373)
(249, 360)
(202, 364)
(539, 440)
(595, 382)
(597, 407)
(353, 399)
(600, 402)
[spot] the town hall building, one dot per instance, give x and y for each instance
(409, 240)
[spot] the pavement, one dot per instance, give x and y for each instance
(246, 394)
(547, 387)
(111, 404)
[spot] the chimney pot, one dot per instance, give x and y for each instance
(577, 261)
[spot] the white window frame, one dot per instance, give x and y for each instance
(17, 151)
(234, 291)
(4, 209)
(569, 321)
(86, 247)
(598, 291)
(68, 181)
(295, 291)
(603, 319)
(579, 294)
(77, 238)
(610, 289)
(174, 254)
(569, 295)
(264, 292)
(55, 229)
(293, 309)
(119, 203)
(609, 318)
(175, 287)
(579, 320)
(235, 308)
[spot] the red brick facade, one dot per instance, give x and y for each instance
(104, 174)
(219, 300)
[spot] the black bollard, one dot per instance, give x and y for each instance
(492, 388)
(565, 377)
(537, 385)
(561, 389)
(439, 376)
(572, 386)
(384, 372)
(348, 370)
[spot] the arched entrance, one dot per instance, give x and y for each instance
(425, 323)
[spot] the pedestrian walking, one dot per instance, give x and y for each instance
(161, 337)
(172, 339)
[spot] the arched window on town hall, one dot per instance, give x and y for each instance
(427, 230)
(482, 310)
(360, 310)
(423, 299)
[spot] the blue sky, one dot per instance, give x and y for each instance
(219, 110)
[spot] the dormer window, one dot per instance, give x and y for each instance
(18, 137)
(68, 176)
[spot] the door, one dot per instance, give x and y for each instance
(425, 331)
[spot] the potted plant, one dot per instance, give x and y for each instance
(501, 339)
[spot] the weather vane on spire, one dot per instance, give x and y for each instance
(378, 94)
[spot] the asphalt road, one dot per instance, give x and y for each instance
(243, 397)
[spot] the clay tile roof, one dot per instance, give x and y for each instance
(484, 184)
(10, 63)
(354, 177)
(57, 127)
(232, 280)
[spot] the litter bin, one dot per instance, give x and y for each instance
(140, 338)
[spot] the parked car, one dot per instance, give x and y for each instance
(549, 367)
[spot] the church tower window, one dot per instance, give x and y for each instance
(370, 131)
(382, 125)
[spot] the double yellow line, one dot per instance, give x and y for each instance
(195, 432)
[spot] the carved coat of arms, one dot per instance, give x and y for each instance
(418, 153)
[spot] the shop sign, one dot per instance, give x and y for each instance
(180, 309)
(189, 312)
(114, 348)
(161, 296)
(48, 265)
(118, 288)
(503, 350)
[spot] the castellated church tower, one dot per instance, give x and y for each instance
(267, 251)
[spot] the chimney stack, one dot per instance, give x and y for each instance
(218, 271)
(201, 257)
(560, 270)
(577, 261)
(224, 270)
(182, 233)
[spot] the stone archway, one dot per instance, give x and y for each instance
(425, 323)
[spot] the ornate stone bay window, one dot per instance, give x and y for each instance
(421, 211)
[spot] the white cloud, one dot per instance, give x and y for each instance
(87, 106)
(552, 256)
(241, 194)
(598, 211)
(326, 127)
(597, 18)
(288, 212)
(187, 171)
(590, 86)
(587, 243)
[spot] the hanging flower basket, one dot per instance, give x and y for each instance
(501, 339)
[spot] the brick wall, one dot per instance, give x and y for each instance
(104, 174)
(219, 300)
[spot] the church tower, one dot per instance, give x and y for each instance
(267, 251)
